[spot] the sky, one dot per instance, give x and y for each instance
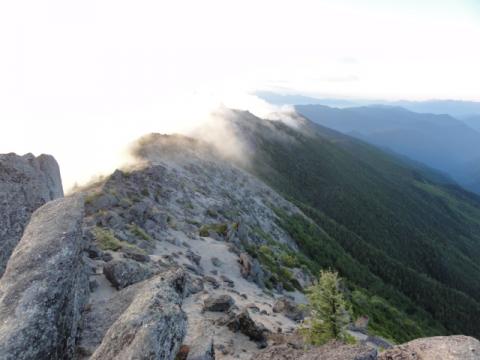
(81, 79)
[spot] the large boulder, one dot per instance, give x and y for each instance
(218, 303)
(243, 323)
(153, 326)
(26, 183)
(45, 285)
(125, 272)
(456, 347)
(331, 351)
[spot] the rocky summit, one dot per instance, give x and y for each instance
(182, 256)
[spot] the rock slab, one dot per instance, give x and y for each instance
(45, 286)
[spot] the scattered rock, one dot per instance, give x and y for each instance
(212, 281)
(195, 258)
(218, 303)
(252, 307)
(195, 269)
(194, 285)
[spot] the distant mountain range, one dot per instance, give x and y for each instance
(473, 122)
(439, 141)
(456, 108)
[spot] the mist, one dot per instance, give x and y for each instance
(81, 81)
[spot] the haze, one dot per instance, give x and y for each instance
(80, 80)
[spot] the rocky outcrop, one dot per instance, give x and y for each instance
(440, 347)
(153, 326)
(44, 286)
(26, 183)
(331, 351)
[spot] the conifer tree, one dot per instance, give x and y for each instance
(328, 317)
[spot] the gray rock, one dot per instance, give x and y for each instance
(229, 282)
(216, 262)
(194, 258)
(124, 272)
(289, 308)
(251, 269)
(194, 285)
(303, 277)
(153, 326)
(137, 257)
(201, 348)
(26, 183)
(212, 281)
(93, 284)
(456, 347)
(378, 342)
(218, 303)
(193, 268)
(45, 285)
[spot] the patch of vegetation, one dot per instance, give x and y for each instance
(192, 222)
(271, 259)
(212, 213)
(203, 232)
(91, 197)
(107, 241)
(139, 232)
(221, 229)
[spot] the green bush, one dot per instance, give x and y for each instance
(139, 232)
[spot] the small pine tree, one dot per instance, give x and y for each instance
(328, 317)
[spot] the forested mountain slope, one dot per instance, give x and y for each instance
(387, 225)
